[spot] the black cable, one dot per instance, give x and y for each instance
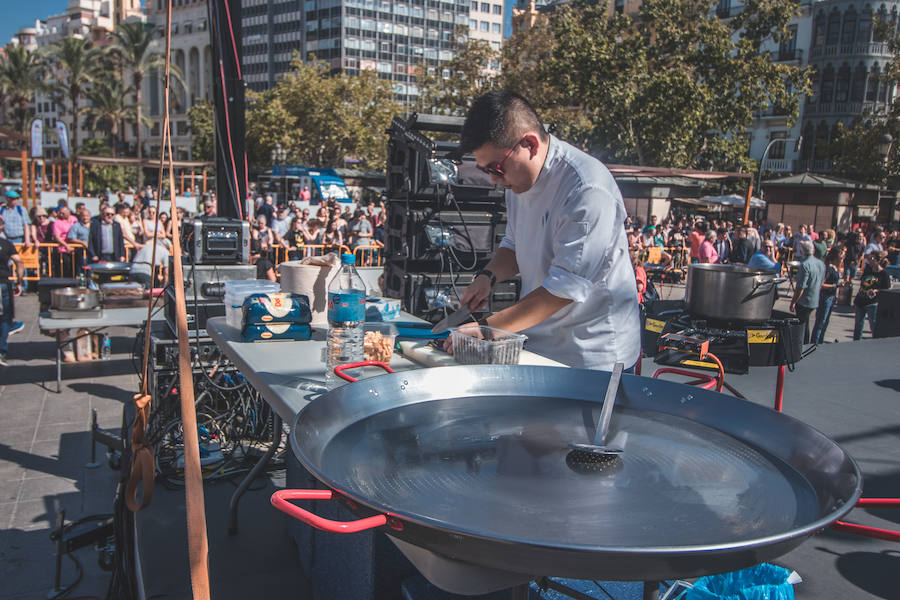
(68, 589)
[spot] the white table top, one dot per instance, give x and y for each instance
(281, 370)
(112, 317)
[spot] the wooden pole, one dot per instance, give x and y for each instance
(747, 203)
(52, 177)
(181, 185)
(69, 185)
(33, 181)
(81, 179)
(204, 181)
(44, 179)
(26, 197)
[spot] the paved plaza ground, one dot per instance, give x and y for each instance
(44, 450)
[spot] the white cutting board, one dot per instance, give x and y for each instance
(420, 352)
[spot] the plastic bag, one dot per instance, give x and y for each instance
(762, 582)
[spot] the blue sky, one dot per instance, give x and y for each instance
(18, 14)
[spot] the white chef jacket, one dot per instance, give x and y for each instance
(568, 237)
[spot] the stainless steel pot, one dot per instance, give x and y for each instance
(72, 298)
(730, 292)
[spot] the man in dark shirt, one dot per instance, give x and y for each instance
(856, 246)
(8, 253)
(105, 241)
(743, 248)
(267, 210)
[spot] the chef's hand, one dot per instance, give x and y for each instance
(472, 329)
(794, 307)
(475, 296)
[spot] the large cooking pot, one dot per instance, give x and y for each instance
(73, 298)
(465, 469)
(730, 292)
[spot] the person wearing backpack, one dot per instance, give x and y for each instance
(16, 219)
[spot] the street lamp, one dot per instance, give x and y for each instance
(884, 146)
(762, 160)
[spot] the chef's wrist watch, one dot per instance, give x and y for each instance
(487, 272)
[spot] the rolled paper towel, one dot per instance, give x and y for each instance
(310, 277)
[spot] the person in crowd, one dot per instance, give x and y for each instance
(332, 239)
(707, 251)
(150, 227)
(753, 236)
(52, 213)
(16, 220)
(696, 238)
(371, 216)
(722, 244)
(743, 248)
(141, 271)
(107, 239)
(164, 223)
(305, 195)
(829, 237)
(764, 259)
(293, 241)
(282, 222)
(41, 231)
(801, 236)
(379, 236)
(136, 222)
(827, 295)
(874, 279)
(810, 276)
(634, 238)
(360, 230)
(262, 238)
(60, 230)
(892, 245)
(265, 268)
(811, 232)
(877, 243)
(123, 220)
(267, 210)
(209, 208)
(8, 291)
(640, 275)
(776, 235)
(856, 248)
(820, 247)
(323, 213)
(312, 235)
(79, 235)
(563, 237)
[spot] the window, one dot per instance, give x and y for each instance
(418, 12)
(432, 34)
(819, 30)
(723, 9)
(872, 88)
(834, 28)
(777, 150)
(848, 35)
(842, 89)
(474, 7)
(473, 24)
(858, 86)
(864, 31)
(485, 7)
(828, 84)
(401, 29)
(485, 26)
(788, 48)
(353, 22)
(401, 9)
(498, 10)
(495, 27)
(418, 32)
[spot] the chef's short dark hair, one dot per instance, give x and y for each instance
(500, 117)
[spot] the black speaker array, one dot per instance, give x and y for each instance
(445, 220)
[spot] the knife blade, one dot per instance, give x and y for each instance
(454, 319)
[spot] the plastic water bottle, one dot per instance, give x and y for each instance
(105, 348)
(346, 320)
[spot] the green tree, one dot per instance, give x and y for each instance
(77, 65)
(203, 129)
(22, 74)
(320, 118)
(468, 76)
(109, 108)
(133, 48)
(656, 85)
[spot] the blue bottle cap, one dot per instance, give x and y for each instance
(348, 259)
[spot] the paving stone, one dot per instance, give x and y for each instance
(9, 489)
(37, 488)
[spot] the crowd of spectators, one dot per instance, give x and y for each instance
(819, 263)
(297, 231)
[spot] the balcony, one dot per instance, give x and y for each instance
(777, 165)
(842, 108)
(790, 56)
(878, 49)
(813, 165)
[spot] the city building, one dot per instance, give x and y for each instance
(192, 54)
(395, 39)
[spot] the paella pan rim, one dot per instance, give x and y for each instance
(449, 529)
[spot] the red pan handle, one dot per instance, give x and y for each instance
(339, 370)
(280, 501)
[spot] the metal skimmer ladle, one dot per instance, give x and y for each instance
(596, 456)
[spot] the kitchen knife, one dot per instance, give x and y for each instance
(454, 319)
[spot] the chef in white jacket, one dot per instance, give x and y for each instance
(564, 236)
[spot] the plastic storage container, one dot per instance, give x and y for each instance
(237, 291)
(489, 346)
(379, 340)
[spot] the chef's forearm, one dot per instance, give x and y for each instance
(534, 308)
(503, 265)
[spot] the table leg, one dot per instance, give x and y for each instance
(58, 365)
(779, 389)
(254, 472)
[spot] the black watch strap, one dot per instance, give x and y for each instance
(487, 272)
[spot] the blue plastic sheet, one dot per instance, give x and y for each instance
(762, 582)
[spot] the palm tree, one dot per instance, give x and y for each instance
(22, 74)
(78, 65)
(132, 45)
(109, 108)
